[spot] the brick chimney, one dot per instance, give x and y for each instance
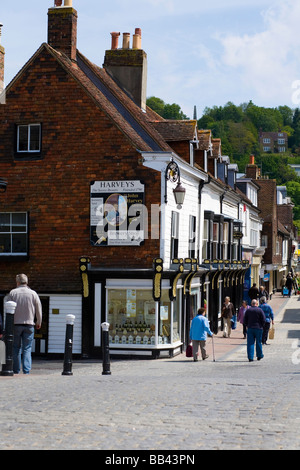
(62, 28)
(128, 66)
(2, 54)
(252, 170)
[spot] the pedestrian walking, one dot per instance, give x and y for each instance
(289, 283)
(263, 293)
(253, 292)
(28, 308)
(282, 283)
(198, 334)
(227, 313)
(269, 316)
(254, 320)
(241, 315)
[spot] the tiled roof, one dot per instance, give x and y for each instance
(175, 131)
(204, 138)
(216, 143)
(282, 229)
(106, 94)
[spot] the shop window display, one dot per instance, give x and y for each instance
(131, 315)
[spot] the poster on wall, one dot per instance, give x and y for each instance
(117, 213)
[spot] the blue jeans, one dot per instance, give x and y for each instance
(254, 335)
(23, 338)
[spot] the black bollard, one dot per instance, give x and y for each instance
(68, 346)
(7, 368)
(105, 349)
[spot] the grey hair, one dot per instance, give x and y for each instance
(22, 278)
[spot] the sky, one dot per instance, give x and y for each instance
(200, 53)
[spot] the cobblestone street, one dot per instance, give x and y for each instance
(167, 404)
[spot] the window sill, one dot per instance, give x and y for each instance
(28, 156)
(10, 257)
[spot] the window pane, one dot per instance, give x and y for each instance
(131, 315)
(13, 233)
(175, 225)
(216, 232)
(225, 232)
(205, 230)
(4, 223)
(176, 317)
(22, 138)
(164, 335)
(35, 138)
(5, 243)
(19, 243)
(19, 223)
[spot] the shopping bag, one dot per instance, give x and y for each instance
(233, 322)
(272, 332)
(189, 351)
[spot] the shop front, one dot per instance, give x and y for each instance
(149, 311)
(145, 318)
(223, 279)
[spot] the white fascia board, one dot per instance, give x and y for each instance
(159, 161)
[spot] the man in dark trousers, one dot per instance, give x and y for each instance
(289, 283)
(254, 320)
(253, 292)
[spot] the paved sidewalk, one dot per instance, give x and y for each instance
(224, 346)
(167, 404)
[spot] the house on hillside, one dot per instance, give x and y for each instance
(278, 231)
(273, 142)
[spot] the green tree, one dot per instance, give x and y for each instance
(156, 104)
(165, 110)
(242, 140)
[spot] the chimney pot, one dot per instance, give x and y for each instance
(137, 39)
(126, 40)
(1, 26)
(114, 40)
(68, 3)
(252, 160)
(58, 3)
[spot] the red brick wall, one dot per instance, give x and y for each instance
(80, 144)
(267, 203)
(62, 30)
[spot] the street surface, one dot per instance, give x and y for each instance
(167, 404)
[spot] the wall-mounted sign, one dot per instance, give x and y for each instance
(238, 234)
(117, 213)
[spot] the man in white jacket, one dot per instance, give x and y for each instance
(198, 334)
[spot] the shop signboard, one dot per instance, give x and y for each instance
(117, 213)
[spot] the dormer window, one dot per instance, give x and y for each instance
(29, 139)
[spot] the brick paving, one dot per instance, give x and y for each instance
(166, 404)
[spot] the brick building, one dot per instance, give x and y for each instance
(273, 142)
(277, 232)
(89, 212)
(77, 147)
